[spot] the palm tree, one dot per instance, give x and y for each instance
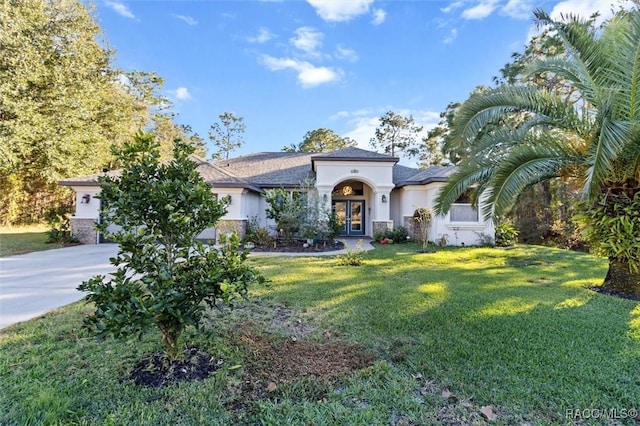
(521, 134)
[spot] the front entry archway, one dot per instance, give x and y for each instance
(351, 214)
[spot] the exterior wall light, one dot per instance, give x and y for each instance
(384, 198)
(85, 199)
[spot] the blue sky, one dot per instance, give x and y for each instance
(291, 66)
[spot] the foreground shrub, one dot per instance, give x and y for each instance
(165, 277)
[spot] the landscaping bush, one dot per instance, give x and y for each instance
(423, 217)
(506, 235)
(165, 277)
(60, 226)
(390, 236)
(352, 257)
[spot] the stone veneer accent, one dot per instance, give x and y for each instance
(84, 230)
(412, 228)
(382, 225)
(226, 226)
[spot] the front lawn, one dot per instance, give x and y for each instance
(24, 239)
(455, 337)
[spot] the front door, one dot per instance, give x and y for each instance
(351, 215)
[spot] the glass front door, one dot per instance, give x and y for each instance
(351, 215)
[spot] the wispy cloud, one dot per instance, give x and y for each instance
(188, 19)
(449, 38)
(519, 9)
(340, 10)
(120, 8)
(264, 35)
(452, 6)
(346, 53)
(308, 40)
(379, 17)
(483, 9)
(309, 75)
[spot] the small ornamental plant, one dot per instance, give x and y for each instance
(165, 278)
(423, 217)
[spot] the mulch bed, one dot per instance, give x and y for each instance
(299, 247)
(158, 370)
(612, 292)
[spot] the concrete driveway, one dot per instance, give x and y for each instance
(34, 283)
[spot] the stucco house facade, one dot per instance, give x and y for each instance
(369, 192)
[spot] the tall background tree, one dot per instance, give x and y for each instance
(227, 135)
(320, 140)
(432, 148)
(62, 103)
(539, 133)
(396, 134)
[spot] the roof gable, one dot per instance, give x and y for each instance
(287, 169)
(353, 154)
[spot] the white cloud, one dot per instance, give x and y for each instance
(363, 129)
(340, 10)
(449, 38)
(483, 9)
(346, 53)
(188, 19)
(307, 39)
(363, 123)
(452, 6)
(181, 94)
(120, 8)
(519, 9)
(583, 8)
(264, 35)
(379, 16)
(308, 74)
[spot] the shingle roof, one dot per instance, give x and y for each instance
(351, 154)
(270, 169)
(210, 173)
(421, 177)
(288, 169)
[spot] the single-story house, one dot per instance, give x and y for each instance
(368, 191)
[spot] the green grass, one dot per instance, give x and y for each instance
(515, 329)
(24, 239)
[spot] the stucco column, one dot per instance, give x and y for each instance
(382, 209)
(382, 203)
(324, 195)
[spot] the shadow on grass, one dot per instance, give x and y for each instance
(510, 327)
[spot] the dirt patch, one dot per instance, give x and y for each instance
(158, 370)
(276, 363)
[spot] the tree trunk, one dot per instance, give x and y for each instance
(622, 279)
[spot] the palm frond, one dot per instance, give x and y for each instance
(479, 111)
(609, 145)
(460, 181)
(525, 166)
(566, 68)
(623, 36)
